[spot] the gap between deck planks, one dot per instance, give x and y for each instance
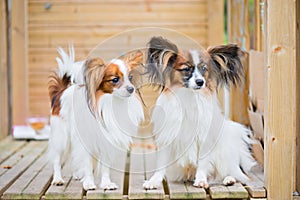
(30, 175)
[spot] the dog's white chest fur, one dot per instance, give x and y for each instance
(181, 119)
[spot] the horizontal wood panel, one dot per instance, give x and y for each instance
(90, 37)
(87, 24)
(103, 7)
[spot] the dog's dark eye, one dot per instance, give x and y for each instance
(115, 80)
(186, 69)
(130, 77)
(203, 68)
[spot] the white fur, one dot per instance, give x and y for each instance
(199, 154)
(67, 65)
(104, 139)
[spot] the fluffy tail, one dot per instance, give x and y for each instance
(56, 86)
(66, 62)
(61, 79)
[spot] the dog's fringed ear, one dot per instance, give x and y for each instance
(134, 59)
(227, 64)
(162, 55)
(93, 76)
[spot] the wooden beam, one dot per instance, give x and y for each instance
(281, 105)
(4, 113)
(215, 32)
(298, 96)
(258, 25)
(19, 61)
(238, 32)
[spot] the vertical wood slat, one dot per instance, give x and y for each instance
(298, 96)
(258, 25)
(3, 72)
(215, 32)
(19, 44)
(238, 23)
(281, 104)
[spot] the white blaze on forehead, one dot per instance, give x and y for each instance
(195, 57)
(196, 61)
(122, 66)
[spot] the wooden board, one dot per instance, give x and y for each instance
(4, 106)
(281, 105)
(117, 176)
(19, 163)
(138, 175)
(33, 182)
(20, 104)
(297, 177)
(185, 191)
(255, 186)
(8, 147)
(72, 189)
(237, 191)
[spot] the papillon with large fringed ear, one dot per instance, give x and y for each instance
(93, 115)
(195, 141)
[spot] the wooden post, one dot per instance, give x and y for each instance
(19, 61)
(4, 122)
(215, 33)
(298, 96)
(238, 32)
(282, 104)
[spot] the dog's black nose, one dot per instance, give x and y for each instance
(130, 89)
(199, 82)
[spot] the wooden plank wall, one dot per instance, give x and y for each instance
(281, 116)
(4, 114)
(53, 23)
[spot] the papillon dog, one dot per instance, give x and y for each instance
(195, 141)
(89, 112)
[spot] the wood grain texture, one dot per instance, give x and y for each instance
(32, 183)
(281, 113)
(72, 189)
(19, 39)
(88, 23)
(236, 191)
(297, 182)
(8, 147)
(19, 163)
(179, 190)
(4, 106)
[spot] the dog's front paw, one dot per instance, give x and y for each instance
(58, 181)
(201, 184)
(229, 180)
(151, 185)
(88, 184)
(107, 185)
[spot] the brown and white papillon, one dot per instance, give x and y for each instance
(90, 101)
(195, 141)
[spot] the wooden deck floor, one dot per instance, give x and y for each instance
(25, 174)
